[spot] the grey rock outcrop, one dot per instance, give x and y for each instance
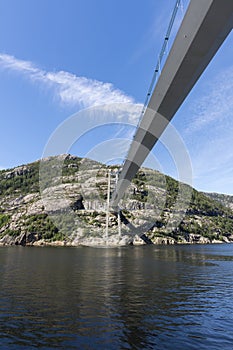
(70, 208)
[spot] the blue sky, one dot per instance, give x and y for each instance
(60, 56)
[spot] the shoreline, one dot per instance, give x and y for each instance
(103, 244)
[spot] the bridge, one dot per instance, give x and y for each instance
(204, 28)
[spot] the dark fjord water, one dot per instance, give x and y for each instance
(152, 297)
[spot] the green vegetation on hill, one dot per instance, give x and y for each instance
(226, 200)
(20, 181)
(4, 219)
(206, 215)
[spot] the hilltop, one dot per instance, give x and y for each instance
(43, 203)
(226, 200)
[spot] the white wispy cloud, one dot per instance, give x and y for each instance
(209, 133)
(10, 62)
(216, 104)
(214, 156)
(70, 88)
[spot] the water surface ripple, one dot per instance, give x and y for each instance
(152, 297)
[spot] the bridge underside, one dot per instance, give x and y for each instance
(203, 30)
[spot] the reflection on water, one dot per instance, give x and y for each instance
(152, 297)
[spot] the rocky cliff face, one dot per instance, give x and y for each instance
(62, 201)
(225, 199)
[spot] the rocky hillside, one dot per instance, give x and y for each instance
(225, 199)
(62, 201)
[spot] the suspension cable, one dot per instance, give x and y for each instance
(160, 58)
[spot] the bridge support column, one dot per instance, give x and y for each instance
(107, 207)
